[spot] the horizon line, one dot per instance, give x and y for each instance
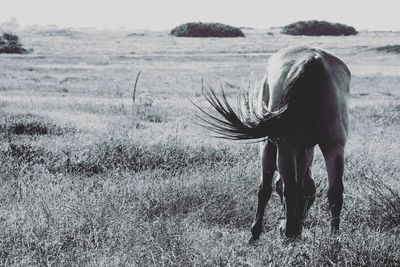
(129, 28)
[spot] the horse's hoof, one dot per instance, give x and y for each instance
(282, 227)
(288, 234)
(253, 240)
(291, 236)
(335, 232)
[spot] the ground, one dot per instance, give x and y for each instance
(90, 178)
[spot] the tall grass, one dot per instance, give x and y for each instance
(115, 154)
(86, 179)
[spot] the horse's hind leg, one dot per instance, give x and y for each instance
(288, 172)
(268, 167)
(307, 188)
(279, 188)
(308, 196)
(334, 158)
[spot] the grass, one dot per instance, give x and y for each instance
(384, 210)
(113, 154)
(88, 179)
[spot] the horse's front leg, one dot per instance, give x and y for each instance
(288, 172)
(268, 167)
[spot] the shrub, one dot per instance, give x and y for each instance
(389, 49)
(318, 28)
(200, 29)
(30, 124)
(9, 44)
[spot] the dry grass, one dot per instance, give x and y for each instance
(88, 179)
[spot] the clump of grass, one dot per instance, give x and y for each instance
(20, 156)
(165, 243)
(51, 235)
(150, 114)
(379, 116)
(318, 28)
(213, 199)
(170, 199)
(384, 205)
(10, 44)
(228, 208)
(200, 29)
(389, 49)
(25, 153)
(31, 124)
(359, 248)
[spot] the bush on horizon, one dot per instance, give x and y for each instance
(200, 29)
(318, 28)
(9, 44)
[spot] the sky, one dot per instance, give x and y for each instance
(166, 14)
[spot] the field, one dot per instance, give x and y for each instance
(90, 178)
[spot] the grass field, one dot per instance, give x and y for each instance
(88, 178)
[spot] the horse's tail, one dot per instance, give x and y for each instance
(252, 121)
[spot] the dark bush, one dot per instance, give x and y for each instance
(200, 29)
(9, 44)
(318, 28)
(31, 124)
(389, 49)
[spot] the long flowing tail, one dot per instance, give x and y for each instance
(248, 121)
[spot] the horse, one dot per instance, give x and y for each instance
(302, 103)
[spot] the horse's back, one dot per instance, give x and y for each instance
(323, 86)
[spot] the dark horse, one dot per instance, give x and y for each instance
(303, 103)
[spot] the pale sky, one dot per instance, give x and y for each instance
(165, 14)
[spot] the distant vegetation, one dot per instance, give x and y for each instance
(389, 49)
(318, 28)
(57, 32)
(135, 34)
(9, 44)
(200, 29)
